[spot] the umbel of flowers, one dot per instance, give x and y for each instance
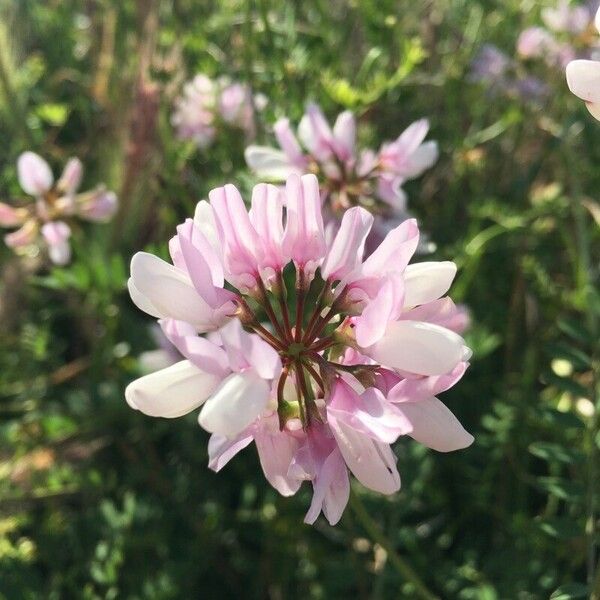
(348, 176)
(564, 36)
(45, 221)
(206, 103)
(318, 356)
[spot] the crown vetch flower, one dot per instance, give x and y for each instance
(348, 176)
(353, 355)
(205, 102)
(583, 79)
(46, 221)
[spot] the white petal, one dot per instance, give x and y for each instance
(269, 163)
(583, 79)
(427, 281)
(35, 176)
(418, 347)
(240, 399)
(163, 291)
(435, 426)
(594, 108)
(172, 392)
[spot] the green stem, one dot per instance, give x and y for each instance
(399, 563)
(584, 282)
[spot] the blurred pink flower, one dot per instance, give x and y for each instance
(43, 221)
(206, 103)
(323, 389)
(348, 176)
(566, 17)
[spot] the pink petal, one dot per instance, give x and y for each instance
(288, 142)
(372, 324)
(35, 176)
(198, 350)
(248, 350)
(331, 490)
(394, 253)
(423, 158)
(10, 216)
(222, 449)
(56, 232)
(266, 215)
(347, 249)
(371, 462)
(315, 133)
(241, 245)
(22, 237)
(409, 390)
(442, 312)
(344, 133)
(304, 237)
(276, 450)
(71, 176)
(202, 265)
(370, 413)
(100, 205)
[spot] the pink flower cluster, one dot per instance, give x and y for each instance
(564, 34)
(583, 78)
(45, 221)
(206, 103)
(348, 176)
(321, 357)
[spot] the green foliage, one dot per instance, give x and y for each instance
(98, 501)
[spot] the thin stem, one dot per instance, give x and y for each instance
(269, 309)
(322, 344)
(299, 395)
(283, 305)
(280, 389)
(315, 375)
(399, 563)
(319, 326)
(300, 293)
(318, 308)
(251, 321)
(322, 322)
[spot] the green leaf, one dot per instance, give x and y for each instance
(578, 358)
(570, 491)
(560, 528)
(555, 452)
(570, 591)
(575, 330)
(565, 384)
(53, 113)
(557, 418)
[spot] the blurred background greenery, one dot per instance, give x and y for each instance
(99, 501)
